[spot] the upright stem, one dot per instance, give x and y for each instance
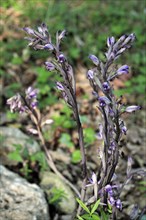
(51, 162)
(81, 139)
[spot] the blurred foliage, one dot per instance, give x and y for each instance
(88, 23)
(56, 196)
(89, 136)
(26, 159)
(76, 156)
(64, 119)
(65, 140)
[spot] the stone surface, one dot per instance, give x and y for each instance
(67, 203)
(19, 199)
(13, 136)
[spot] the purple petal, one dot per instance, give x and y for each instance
(49, 66)
(59, 86)
(28, 30)
(61, 58)
(119, 204)
(112, 201)
(31, 93)
(132, 108)
(48, 46)
(106, 86)
(90, 74)
(103, 101)
(124, 129)
(110, 41)
(123, 70)
(94, 59)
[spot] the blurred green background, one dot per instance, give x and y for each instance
(88, 22)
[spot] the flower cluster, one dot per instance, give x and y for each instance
(113, 127)
(20, 103)
(111, 199)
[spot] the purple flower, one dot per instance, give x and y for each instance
(132, 108)
(106, 86)
(94, 59)
(130, 38)
(61, 58)
(112, 146)
(29, 30)
(49, 66)
(90, 74)
(122, 38)
(62, 35)
(59, 86)
(92, 180)
(124, 130)
(48, 46)
(103, 101)
(118, 204)
(123, 69)
(109, 190)
(110, 41)
(31, 93)
(34, 104)
(43, 29)
(112, 201)
(100, 133)
(15, 103)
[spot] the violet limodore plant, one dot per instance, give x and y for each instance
(105, 189)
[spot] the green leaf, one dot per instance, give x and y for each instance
(95, 206)
(83, 205)
(89, 135)
(65, 140)
(104, 215)
(95, 217)
(76, 156)
(87, 217)
(15, 156)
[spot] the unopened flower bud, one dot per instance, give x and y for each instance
(110, 41)
(59, 86)
(61, 58)
(118, 204)
(48, 46)
(62, 35)
(103, 101)
(90, 74)
(123, 70)
(49, 66)
(132, 108)
(106, 86)
(112, 201)
(28, 30)
(94, 59)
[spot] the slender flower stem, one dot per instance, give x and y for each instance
(51, 162)
(81, 140)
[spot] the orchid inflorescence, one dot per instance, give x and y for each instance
(20, 103)
(112, 128)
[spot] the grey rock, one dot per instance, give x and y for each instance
(50, 181)
(19, 199)
(12, 136)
